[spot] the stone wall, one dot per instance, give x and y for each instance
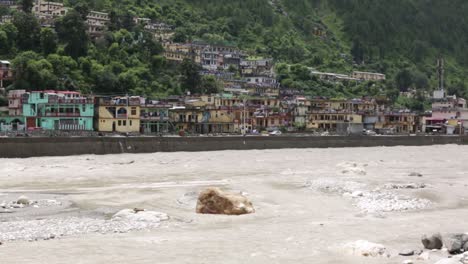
(62, 146)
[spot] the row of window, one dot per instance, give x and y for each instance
(120, 122)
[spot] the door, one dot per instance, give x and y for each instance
(31, 122)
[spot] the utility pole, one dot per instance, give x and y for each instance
(243, 118)
(440, 73)
(126, 122)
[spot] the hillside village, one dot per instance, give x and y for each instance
(250, 100)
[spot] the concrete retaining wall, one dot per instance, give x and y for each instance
(36, 147)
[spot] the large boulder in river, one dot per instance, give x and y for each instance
(24, 200)
(455, 242)
(216, 201)
(432, 242)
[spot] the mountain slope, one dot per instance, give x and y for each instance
(401, 38)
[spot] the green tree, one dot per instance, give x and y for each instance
(190, 76)
(27, 5)
(28, 31)
(71, 30)
(4, 43)
(357, 51)
(209, 85)
(33, 72)
(404, 80)
(49, 41)
(82, 9)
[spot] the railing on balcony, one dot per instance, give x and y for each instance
(155, 118)
(120, 116)
(50, 114)
(71, 101)
(74, 127)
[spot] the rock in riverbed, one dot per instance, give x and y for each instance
(455, 242)
(216, 201)
(366, 249)
(432, 242)
(139, 215)
(448, 261)
(406, 253)
(24, 200)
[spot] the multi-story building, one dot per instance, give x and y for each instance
(186, 118)
(6, 19)
(397, 122)
(333, 77)
(15, 102)
(300, 108)
(263, 80)
(161, 31)
(47, 12)
(6, 73)
(48, 8)
(368, 76)
(256, 66)
(57, 110)
(449, 114)
(342, 122)
(118, 114)
(154, 117)
(14, 121)
(8, 3)
(214, 57)
(97, 22)
(219, 120)
(178, 52)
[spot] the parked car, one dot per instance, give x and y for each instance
(368, 133)
(275, 133)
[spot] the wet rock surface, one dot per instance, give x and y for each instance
(455, 242)
(366, 249)
(432, 242)
(215, 201)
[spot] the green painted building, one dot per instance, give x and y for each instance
(11, 123)
(58, 110)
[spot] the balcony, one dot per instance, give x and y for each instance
(155, 118)
(121, 116)
(50, 114)
(71, 101)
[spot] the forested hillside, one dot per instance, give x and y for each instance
(401, 38)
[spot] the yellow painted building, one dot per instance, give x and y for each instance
(178, 52)
(116, 115)
(329, 121)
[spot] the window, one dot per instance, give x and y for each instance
(134, 111)
(125, 123)
(130, 122)
(120, 122)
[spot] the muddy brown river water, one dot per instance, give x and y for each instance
(309, 203)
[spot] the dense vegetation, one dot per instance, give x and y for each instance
(401, 38)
